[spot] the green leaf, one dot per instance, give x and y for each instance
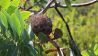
(15, 52)
(4, 20)
(84, 53)
(17, 12)
(68, 3)
(32, 35)
(2, 29)
(96, 49)
(4, 4)
(33, 51)
(25, 14)
(15, 3)
(11, 9)
(10, 21)
(40, 50)
(16, 23)
(42, 37)
(25, 37)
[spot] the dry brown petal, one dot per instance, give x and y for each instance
(57, 33)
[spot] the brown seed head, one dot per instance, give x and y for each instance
(41, 23)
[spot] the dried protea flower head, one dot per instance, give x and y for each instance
(41, 23)
(57, 33)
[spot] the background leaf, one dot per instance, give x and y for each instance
(68, 3)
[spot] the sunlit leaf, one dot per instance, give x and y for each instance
(4, 20)
(11, 9)
(84, 53)
(16, 23)
(10, 21)
(21, 20)
(15, 3)
(25, 14)
(96, 49)
(4, 4)
(36, 8)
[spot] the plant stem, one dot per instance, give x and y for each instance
(71, 41)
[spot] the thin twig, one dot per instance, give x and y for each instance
(24, 6)
(29, 8)
(61, 6)
(55, 44)
(46, 7)
(75, 5)
(72, 42)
